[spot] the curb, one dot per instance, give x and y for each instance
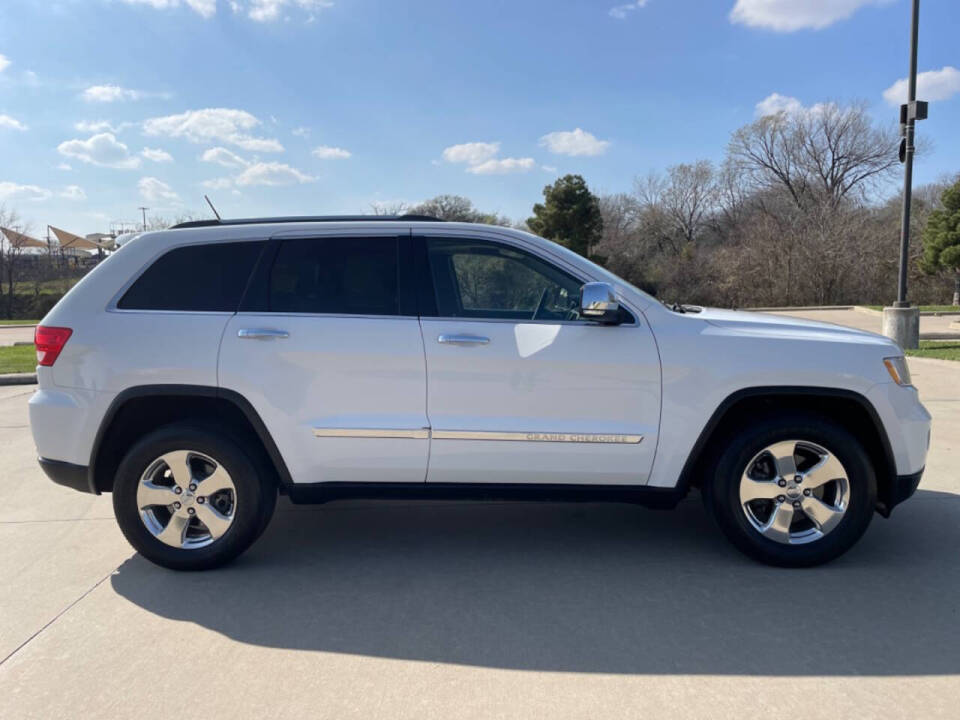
(923, 313)
(800, 307)
(18, 378)
(17, 326)
(940, 336)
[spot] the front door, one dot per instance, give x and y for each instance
(520, 388)
(327, 349)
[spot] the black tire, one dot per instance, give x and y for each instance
(255, 488)
(721, 492)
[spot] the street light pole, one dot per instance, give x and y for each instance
(908, 160)
(144, 211)
(902, 321)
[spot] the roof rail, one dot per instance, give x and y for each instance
(303, 219)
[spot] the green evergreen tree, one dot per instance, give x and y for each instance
(941, 238)
(569, 215)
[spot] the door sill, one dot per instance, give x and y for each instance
(654, 497)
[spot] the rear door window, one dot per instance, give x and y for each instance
(196, 278)
(339, 276)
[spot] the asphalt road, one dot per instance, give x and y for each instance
(423, 610)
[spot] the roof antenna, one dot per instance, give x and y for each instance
(212, 207)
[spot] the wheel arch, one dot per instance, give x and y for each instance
(852, 409)
(144, 407)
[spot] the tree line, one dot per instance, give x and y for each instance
(803, 210)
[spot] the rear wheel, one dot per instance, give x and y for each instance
(189, 498)
(792, 490)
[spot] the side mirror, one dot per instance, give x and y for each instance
(598, 302)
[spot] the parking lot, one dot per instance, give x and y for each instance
(395, 610)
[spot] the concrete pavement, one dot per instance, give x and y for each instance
(13, 335)
(478, 610)
(873, 321)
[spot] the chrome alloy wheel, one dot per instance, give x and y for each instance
(186, 499)
(794, 492)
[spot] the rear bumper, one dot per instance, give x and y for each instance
(68, 474)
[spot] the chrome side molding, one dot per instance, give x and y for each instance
(411, 434)
(427, 433)
(611, 438)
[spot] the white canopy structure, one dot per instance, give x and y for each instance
(21, 240)
(70, 243)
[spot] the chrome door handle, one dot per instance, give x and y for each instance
(261, 333)
(463, 340)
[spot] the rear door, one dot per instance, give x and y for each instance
(327, 348)
(520, 389)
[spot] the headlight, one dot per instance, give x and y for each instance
(897, 367)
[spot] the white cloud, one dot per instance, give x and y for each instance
(156, 191)
(502, 166)
(156, 155)
(64, 166)
(932, 85)
(256, 173)
(205, 8)
(271, 173)
(481, 159)
(775, 103)
(225, 125)
(95, 126)
(620, 12)
(325, 152)
(218, 183)
(258, 10)
(11, 123)
(102, 149)
(791, 15)
(222, 156)
(472, 153)
(4, 63)
(574, 142)
(270, 10)
(301, 132)
(110, 93)
(14, 192)
(73, 192)
(548, 168)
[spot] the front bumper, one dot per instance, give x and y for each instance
(68, 474)
(902, 489)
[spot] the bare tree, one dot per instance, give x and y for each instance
(677, 207)
(824, 154)
(12, 246)
(456, 208)
(388, 208)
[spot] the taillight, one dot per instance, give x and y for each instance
(49, 342)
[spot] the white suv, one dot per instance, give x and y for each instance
(200, 370)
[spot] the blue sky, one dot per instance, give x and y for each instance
(312, 107)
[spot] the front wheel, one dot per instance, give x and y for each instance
(792, 490)
(189, 498)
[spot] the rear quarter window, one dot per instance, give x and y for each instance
(196, 278)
